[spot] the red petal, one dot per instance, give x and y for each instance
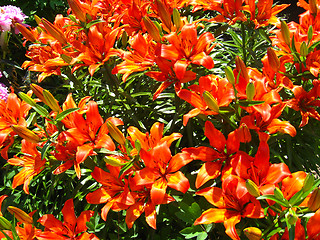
(178, 181)
(208, 171)
(158, 191)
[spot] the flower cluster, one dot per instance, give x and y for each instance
(239, 114)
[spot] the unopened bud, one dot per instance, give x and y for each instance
(273, 60)
(313, 7)
(241, 67)
(314, 200)
(66, 58)
(278, 194)
(27, 99)
(152, 29)
(38, 91)
(124, 38)
(25, 133)
(251, 91)
(26, 32)
(37, 19)
(4, 224)
(51, 101)
(253, 233)
(210, 101)
(303, 49)
(54, 31)
(176, 18)
(76, 10)
(285, 33)
(164, 14)
(310, 33)
(252, 188)
(20, 215)
(292, 217)
(115, 133)
(308, 182)
(115, 162)
(229, 75)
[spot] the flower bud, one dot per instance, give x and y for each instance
(66, 58)
(51, 101)
(76, 10)
(241, 67)
(210, 101)
(124, 38)
(152, 29)
(313, 7)
(252, 188)
(26, 32)
(37, 19)
(25, 133)
(115, 133)
(285, 33)
(4, 224)
(38, 91)
(229, 75)
(251, 91)
(303, 49)
(308, 182)
(292, 217)
(278, 194)
(20, 215)
(253, 233)
(54, 31)
(310, 33)
(314, 200)
(27, 99)
(273, 60)
(164, 14)
(115, 162)
(176, 18)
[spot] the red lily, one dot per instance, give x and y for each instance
(31, 162)
(72, 228)
(233, 202)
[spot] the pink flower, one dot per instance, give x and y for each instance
(9, 15)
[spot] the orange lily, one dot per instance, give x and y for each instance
(72, 228)
(187, 48)
(233, 202)
(221, 151)
(152, 139)
(266, 177)
(162, 170)
(13, 112)
(266, 13)
(114, 191)
(305, 102)
(220, 89)
(31, 162)
(143, 204)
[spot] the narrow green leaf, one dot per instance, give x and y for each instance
(272, 197)
(65, 113)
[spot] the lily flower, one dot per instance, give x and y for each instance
(232, 203)
(31, 162)
(72, 228)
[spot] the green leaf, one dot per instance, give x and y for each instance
(245, 103)
(274, 198)
(44, 149)
(65, 113)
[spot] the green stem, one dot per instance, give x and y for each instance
(244, 52)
